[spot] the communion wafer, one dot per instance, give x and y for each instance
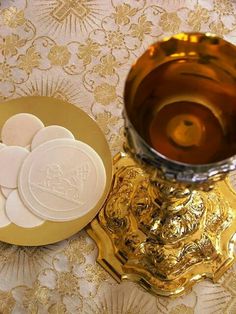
(20, 129)
(11, 159)
(19, 214)
(49, 133)
(6, 191)
(62, 180)
(4, 220)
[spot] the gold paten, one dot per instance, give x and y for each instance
(54, 111)
(161, 236)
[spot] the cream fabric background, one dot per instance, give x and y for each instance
(81, 51)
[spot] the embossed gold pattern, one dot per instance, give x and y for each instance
(161, 235)
(92, 62)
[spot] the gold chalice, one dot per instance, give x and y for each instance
(170, 219)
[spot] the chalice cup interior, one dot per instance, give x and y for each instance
(170, 219)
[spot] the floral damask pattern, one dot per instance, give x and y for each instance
(59, 55)
(13, 17)
(142, 28)
(123, 13)
(170, 22)
(224, 7)
(219, 28)
(182, 309)
(105, 93)
(106, 121)
(108, 66)
(77, 250)
(30, 60)
(7, 302)
(10, 43)
(197, 17)
(5, 72)
(88, 50)
(81, 52)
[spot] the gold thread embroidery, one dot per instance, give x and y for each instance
(59, 55)
(30, 60)
(105, 94)
(13, 17)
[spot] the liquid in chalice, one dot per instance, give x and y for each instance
(186, 113)
(187, 132)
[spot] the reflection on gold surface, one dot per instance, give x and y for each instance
(164, 241)
(167, 81)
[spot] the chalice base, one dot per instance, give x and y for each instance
(163, 244)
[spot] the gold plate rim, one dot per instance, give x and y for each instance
(56, 111)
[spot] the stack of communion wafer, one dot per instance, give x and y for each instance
(46, 174)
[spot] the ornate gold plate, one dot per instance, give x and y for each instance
(53, 111)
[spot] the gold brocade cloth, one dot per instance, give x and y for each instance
(81, 52)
